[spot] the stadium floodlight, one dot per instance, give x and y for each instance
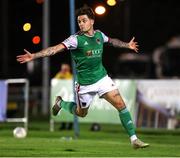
(36, 40)
(111, 2)
(100, 10)
(26, 26)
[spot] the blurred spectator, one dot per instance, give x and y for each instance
(65, 73)
(161, 58)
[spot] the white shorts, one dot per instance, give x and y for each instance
(85, 94)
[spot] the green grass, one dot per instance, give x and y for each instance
(111, 141)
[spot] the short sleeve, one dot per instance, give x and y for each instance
(105, 38)
(71, 42)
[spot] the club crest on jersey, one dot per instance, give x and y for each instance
(98, 41)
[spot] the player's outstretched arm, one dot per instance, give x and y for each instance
(118, 43)
(43, 53)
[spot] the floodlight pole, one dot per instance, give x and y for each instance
(127, 20)
(4, 11)
(45, 68)
(72, 31)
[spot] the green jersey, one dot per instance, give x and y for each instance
(87, 53)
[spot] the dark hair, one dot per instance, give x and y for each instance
(85, 10)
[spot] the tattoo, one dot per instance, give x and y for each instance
(116, 94)
(45, 52)
(118, 43)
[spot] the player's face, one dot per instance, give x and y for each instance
(65, 68)
(85, 24)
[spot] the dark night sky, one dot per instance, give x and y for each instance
(152, 22)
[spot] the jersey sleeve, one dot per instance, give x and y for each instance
(105, 38)
(71, 42)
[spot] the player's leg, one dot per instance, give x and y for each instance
(79, 108)
(109, 91)
(61, 104)
(83, 101)
(116, 100)
(71, 107)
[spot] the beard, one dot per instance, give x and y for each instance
(85, 30)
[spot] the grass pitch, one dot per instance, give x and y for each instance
(111, 141)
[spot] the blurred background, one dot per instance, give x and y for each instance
(154, 24)
(148, 81)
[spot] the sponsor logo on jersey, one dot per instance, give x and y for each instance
(89, 53)
(94, 53)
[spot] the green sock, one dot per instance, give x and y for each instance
(127, 122)
(68, 106)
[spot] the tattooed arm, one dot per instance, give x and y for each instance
(120, 44)
(43, 53)
(49, 51)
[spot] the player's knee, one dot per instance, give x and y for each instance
(82, 114)
(120, 104)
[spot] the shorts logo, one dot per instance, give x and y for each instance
(83, 104)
